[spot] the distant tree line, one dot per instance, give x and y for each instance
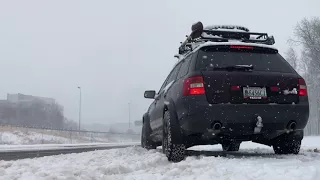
(304, 56)
(35, 114)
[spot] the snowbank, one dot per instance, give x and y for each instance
(18, 137)
(25, 136)
(258, 163)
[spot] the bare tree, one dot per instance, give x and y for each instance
(292, 58)
(307, 35)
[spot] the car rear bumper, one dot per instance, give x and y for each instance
(196, 116)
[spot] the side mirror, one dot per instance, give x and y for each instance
(149, 94)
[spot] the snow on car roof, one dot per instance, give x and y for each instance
(234, 43)
(234, 28)
(206, 35)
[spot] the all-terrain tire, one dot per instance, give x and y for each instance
(287, 144)
(231, 146)
(175, 152)
(146, 142)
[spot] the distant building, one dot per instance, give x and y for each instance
(138, 123)
(16, 98)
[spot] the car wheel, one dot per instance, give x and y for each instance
(174, 152)
(145, 137)
(287, 144)
(231, 146)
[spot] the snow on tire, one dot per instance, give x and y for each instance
(287, 144)
(231, 146)
(174, 152)
(145, 135)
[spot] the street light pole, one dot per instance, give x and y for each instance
(129, 114)
(79, 108)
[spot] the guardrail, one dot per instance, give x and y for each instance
(34, 135)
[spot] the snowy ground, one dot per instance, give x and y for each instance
(19, 137)
(253, 162)
(27, 136)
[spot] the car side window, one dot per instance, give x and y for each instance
(164, 84)
(172, 76)
(184, 67)
(174, 73)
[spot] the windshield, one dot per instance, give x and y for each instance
(272, 62)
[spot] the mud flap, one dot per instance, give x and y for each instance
(177, 135)
(298, 134)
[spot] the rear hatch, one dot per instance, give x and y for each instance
(246, 74)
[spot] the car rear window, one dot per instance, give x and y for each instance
(261, 61)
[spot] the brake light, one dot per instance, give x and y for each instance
(241, 47)
(302, 88)
(194, 86)
(235, 88)
(274, 89)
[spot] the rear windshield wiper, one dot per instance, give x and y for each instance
(233, 68)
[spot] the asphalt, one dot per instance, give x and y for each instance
(23, 154)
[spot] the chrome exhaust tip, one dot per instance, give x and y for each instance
(217, 126)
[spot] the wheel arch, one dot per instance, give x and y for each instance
(144, 117)
(170, 106)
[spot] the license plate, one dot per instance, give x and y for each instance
(254, 93)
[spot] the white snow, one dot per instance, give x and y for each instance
(234, 28)
(206, 35)
(253, 162)
(26, 136)
(18, 137)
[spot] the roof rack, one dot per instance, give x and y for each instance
(199, 35)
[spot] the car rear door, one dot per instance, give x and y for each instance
(152, 110)
(156, 122)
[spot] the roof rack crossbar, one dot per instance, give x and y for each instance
(233, 32)
(267, 41)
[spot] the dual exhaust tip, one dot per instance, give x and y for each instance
(218, 125)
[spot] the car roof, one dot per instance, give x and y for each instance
(207, 44)
(236, 43)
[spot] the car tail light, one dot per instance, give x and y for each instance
(274, 89)
(241, 47)
(302, 88)
(194, 86)
(235, 88)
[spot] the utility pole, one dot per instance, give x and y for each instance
(80, 109)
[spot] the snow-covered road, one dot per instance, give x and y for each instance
(253, 162)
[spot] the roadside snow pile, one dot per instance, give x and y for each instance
(254, 162)
(19, 138)
(24, 136)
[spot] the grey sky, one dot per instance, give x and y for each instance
(115, 50)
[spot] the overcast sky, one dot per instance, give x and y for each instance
(115, 50)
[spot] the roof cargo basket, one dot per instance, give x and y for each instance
(200, 35)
